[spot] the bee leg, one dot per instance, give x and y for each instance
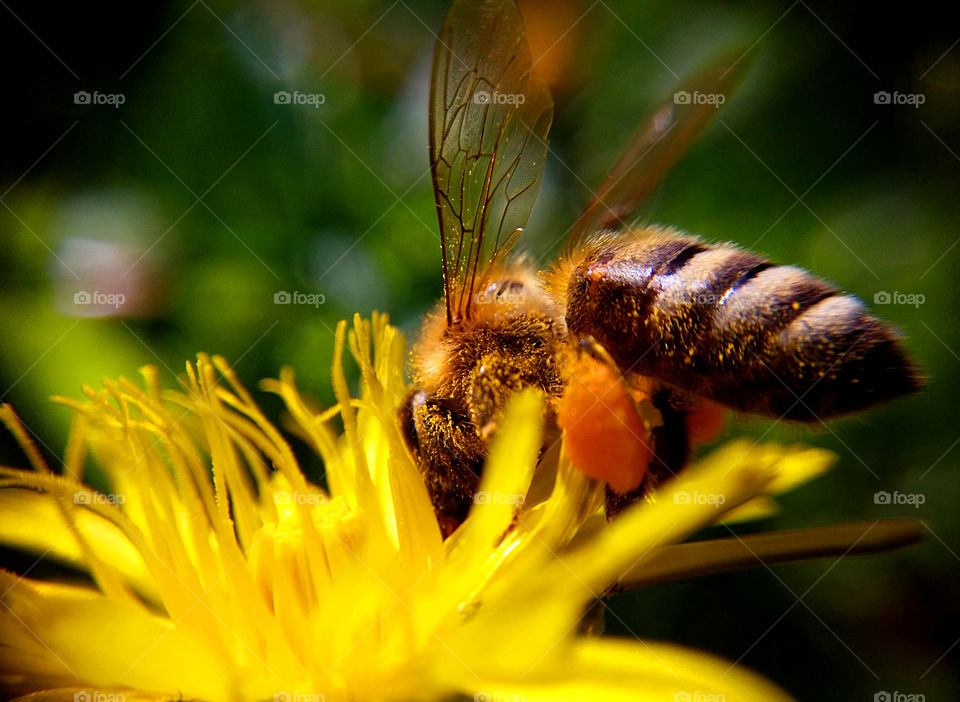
(498, 376)
(592, 621)
(671, 450)
(449, 455)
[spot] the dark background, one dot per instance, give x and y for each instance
(199, 198)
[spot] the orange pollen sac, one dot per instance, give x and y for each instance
(705, 421)
(603, 434)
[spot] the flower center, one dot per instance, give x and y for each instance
(281, 565)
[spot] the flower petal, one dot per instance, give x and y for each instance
(613, 669)
(67, 634)
(33, 522)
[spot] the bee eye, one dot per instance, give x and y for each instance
(509, 287)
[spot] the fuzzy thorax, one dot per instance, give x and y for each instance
(510, 314)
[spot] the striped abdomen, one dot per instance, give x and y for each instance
(728, 325)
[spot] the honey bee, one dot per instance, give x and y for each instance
(634, 330)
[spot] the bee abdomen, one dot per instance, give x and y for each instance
(837, 359)
(735, 328)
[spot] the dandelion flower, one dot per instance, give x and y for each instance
(217, 572)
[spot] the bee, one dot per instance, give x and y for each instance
(635, 330)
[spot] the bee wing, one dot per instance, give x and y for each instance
(654, 148)
(488, 140)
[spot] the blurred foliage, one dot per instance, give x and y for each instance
(200, 198)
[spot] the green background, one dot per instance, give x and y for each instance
(230, 198)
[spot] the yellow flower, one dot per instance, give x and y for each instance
(217, 572)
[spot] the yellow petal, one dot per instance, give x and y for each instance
(33, 522)
(88, 694)
(752, 510)
(613, 669)
(71, 634)
(799, 466)
(506, 476)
